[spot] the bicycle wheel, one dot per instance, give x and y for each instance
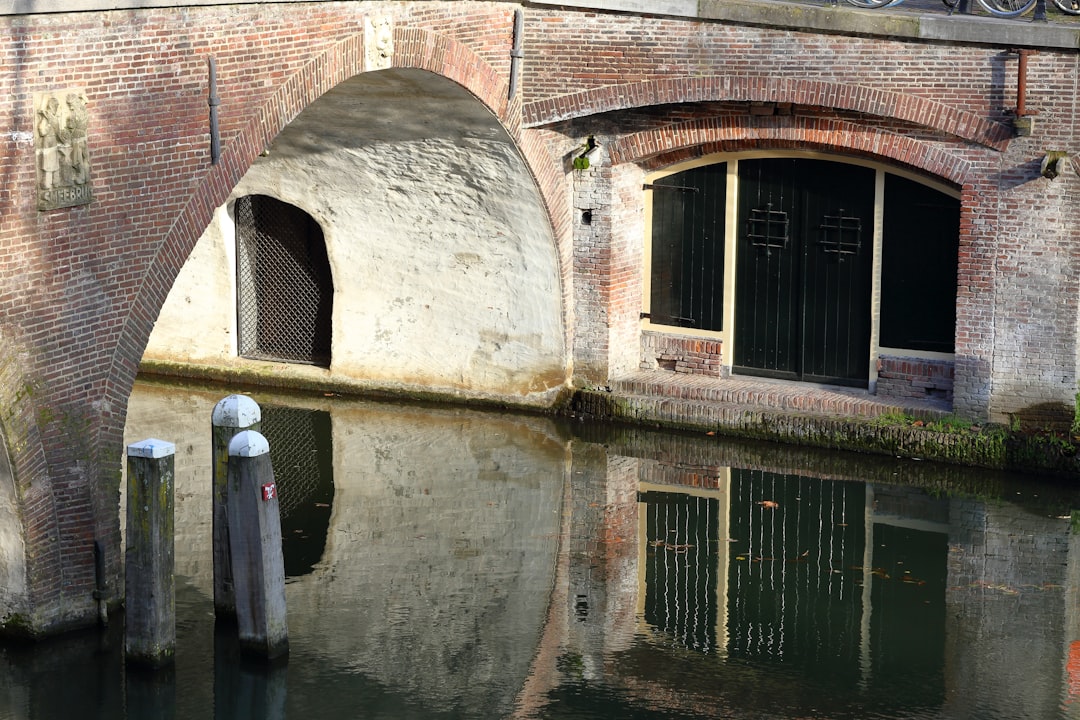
(1007, 8)
(869, 3)
(1069, 7)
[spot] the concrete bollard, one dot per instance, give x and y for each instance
(150, 605)
(231, 415)
(255, 548)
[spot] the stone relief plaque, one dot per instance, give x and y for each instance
(378, 43)
(60, 148)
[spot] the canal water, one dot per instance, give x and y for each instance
(450, 563)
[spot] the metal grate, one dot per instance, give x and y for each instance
(768, 228)
(284, 287)
(841, 234)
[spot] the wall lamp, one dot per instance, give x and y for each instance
(1054, 163)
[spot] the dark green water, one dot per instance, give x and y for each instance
(444, 563)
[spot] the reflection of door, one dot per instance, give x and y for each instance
(803, 270)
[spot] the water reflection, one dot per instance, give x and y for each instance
(447, 563)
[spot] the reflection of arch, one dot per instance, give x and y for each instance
(284, 287)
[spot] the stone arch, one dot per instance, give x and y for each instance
(883, 104)
(413, 48)
(711, 135)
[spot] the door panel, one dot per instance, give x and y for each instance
(803, 309)
(838, 250)
(766, 289)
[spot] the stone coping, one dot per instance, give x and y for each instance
(840, 19)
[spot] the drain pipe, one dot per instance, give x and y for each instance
(1023, 119)
(213, 101)
(1021, 81)
(516, 53)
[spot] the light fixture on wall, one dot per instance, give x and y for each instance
(1054, 163)
(581, 161)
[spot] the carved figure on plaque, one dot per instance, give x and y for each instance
(75, 136)
(63, 157)
(48, 130)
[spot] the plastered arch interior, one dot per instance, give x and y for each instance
(445, 267)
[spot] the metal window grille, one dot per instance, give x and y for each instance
(768, 228)
(284, 287)
(841, 234)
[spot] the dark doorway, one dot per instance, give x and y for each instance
(803, 270)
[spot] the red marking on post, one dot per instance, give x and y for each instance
(1072, 666)
(269, 491)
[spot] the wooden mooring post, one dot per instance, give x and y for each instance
(255, 548)
(231, 415)
(150, 604)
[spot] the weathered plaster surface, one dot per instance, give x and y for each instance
(442, 255)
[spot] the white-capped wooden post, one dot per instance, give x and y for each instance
(231, 415)
(255, 548)
(150, 603)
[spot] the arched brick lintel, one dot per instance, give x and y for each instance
(706, 136)
(815, 93)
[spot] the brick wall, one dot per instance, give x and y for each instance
(915, 377)
(80, 288)
(677, 353)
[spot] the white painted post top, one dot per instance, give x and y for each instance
(151, 448)
(237, 411)
(248, 444)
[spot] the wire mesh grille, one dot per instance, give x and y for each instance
(284, 288)
(290, 433)
(301, 452)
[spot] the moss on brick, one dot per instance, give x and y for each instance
(989, 446)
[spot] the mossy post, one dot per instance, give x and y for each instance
(231, 415)
(150, 604)
(255, 548)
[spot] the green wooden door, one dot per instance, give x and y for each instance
(803, 270)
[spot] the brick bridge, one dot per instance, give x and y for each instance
(117, 183)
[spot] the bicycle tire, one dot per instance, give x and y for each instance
(1007, 8)
(1069, 7)
(872, 4)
